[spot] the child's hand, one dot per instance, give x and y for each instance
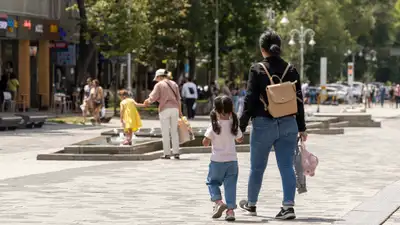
(206, 142)
(239, 140)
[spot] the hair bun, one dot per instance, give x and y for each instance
(275, 49)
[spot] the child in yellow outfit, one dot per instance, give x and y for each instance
(130, 117)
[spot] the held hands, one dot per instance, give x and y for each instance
(146, 103)
(239, 140)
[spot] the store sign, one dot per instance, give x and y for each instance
(3, 25)
(12, 23)
(27, 24)
(53, 28)
(58, 45)
(39, 28)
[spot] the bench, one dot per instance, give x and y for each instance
(10, 122)
(32, 121)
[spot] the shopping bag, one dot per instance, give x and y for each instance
(185, 131)
(309, 161)
(298, 166)
(103, 112)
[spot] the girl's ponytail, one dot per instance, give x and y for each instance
(235, 124)
(214, 122)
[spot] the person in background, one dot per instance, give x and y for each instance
(373, 96)
(130, 118)
(267, 131)
(13, 85)
(242, 95)
(397, 95)
(86, 103)
(166, 93)
(382, 95)
(235, 99)
(391, 96)
(97, 98)
(226, 90)
(190, 95)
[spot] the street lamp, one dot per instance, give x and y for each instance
(353, 60)
(284, 19)
(216, 40)
(302, 35)
(370, 56)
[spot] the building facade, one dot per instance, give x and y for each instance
(30, 30)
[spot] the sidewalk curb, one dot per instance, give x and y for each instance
(377, 209)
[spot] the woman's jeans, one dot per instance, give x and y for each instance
(169, 130)
(282, 134)
(223, 173)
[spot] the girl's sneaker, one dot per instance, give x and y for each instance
(230, 215)
(286, 214)
(251, 210)
(218, 209)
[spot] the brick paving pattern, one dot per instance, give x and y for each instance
(353, 167)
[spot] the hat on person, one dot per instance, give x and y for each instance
(160, 72)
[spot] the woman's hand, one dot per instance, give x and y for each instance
(303, 136)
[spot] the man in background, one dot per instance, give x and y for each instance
(190, 95)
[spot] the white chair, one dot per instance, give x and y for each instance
(8, 100)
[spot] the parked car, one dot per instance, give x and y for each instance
(342, 92)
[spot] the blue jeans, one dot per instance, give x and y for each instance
(223, 173)
(282, 134)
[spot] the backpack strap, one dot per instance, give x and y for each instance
(285, 72)
(269, 75)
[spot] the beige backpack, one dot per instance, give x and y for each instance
(282, 97)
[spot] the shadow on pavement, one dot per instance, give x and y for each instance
(316, 220)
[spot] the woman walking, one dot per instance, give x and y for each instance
(268, 131)
(97, 99)
(166, 93)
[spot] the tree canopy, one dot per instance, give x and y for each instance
(173, 33)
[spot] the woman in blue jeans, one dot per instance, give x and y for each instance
(267, 131)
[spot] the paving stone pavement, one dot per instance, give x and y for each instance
(353, 167)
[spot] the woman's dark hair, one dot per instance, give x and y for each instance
(270, 41)
(223, 105)
(13, 76)
(97, 82)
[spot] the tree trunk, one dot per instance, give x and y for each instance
(86, 51)
(192, 64)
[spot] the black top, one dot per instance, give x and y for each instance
(258, 81)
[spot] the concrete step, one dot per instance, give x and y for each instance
(330, 131)
(340, 124)
(346, 116)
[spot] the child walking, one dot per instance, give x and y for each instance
(130, 118)
(223, 168)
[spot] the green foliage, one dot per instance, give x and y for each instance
(117, 27)
(181, 29)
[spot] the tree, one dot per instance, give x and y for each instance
(331, 37)
(114, 27)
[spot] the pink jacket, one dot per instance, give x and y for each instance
(166, 93)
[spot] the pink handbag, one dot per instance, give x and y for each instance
(309, 161)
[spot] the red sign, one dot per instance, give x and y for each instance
(27, 24)
(58, 45)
